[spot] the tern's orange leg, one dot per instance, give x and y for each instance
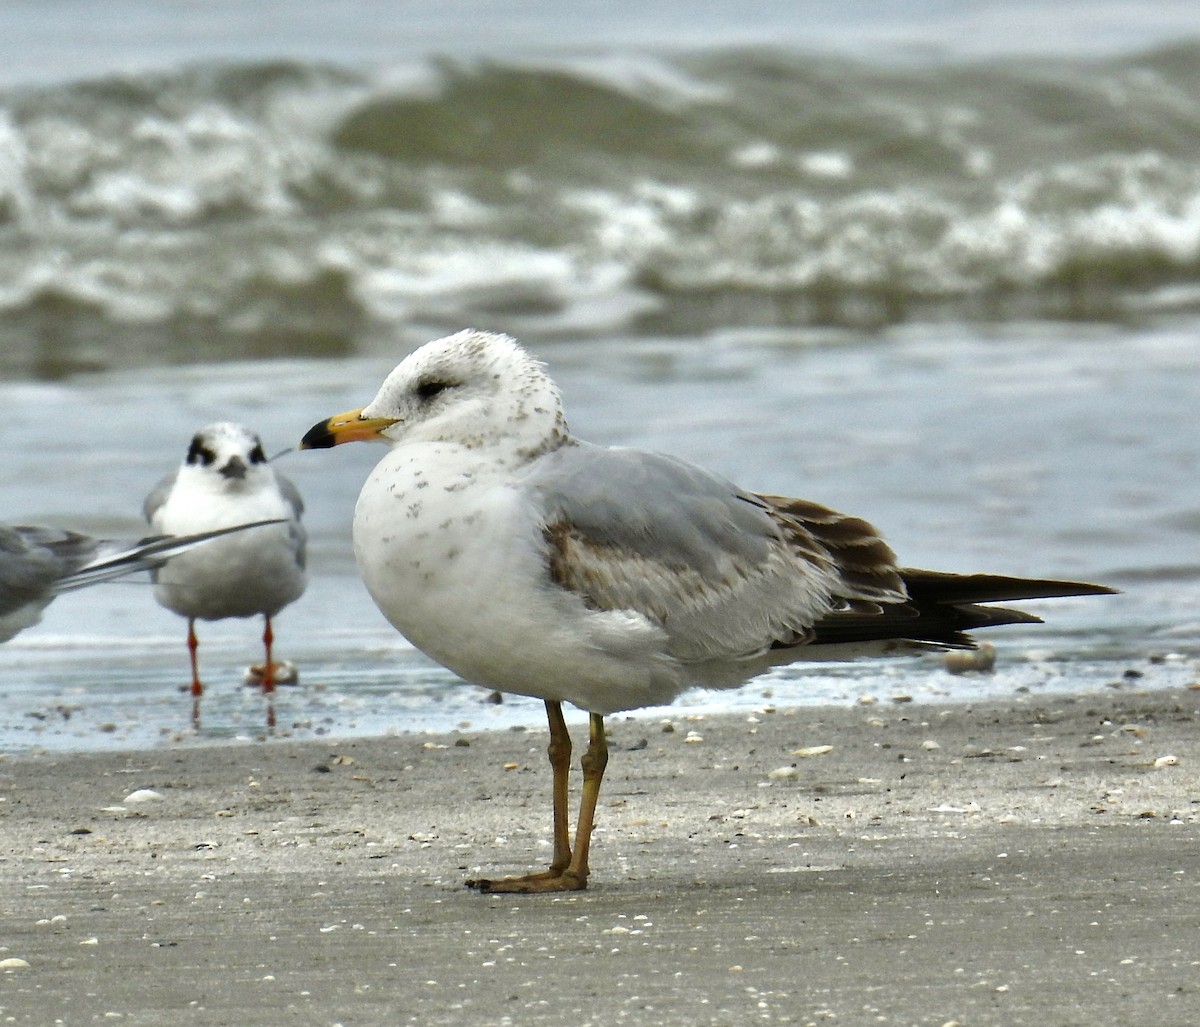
(197, 688)
(573, 877)
(268, 677)
(193, 644)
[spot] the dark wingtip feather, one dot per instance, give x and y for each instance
(941, 587)
(943, 607)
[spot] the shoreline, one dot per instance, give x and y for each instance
(92, 711)
(1020, 861)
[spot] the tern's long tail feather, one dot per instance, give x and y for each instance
(943, 607)
(122, 558)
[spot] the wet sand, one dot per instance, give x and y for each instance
(1035, 861)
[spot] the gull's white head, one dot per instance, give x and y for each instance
(473, 389)
(227, 457)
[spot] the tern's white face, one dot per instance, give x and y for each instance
(473, 389)
(228, 457)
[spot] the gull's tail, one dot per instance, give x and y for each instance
(942, 607)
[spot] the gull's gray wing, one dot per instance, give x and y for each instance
(117, 558)
(726, 573)
(32, 561)
(37, 563)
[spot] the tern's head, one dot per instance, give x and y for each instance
(228, 455)
(474, 389)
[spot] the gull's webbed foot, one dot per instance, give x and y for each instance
(546, 881)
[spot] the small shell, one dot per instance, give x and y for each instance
(968, 661)
(142, 795)
(812, 750)
(945, 807)
(286, 673)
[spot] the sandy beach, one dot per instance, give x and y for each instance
(1024, 862)
(934, 265)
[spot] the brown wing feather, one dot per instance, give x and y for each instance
(866, 565)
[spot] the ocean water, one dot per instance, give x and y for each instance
(216, 190)
(936, 264)
(1039, 450)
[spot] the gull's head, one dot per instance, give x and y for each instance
(474, 389)
(227, 456)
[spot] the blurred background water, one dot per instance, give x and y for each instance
(936, 264)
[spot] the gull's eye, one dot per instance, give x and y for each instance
(431, 387)
(199, 453)
(257, 456)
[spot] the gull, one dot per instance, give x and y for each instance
(225, 479)
(37, 563)
(528, 561)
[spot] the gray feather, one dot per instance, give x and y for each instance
(158, 495)
(727, 574)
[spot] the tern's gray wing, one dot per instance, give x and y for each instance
(299, 536)
(158, 495)
(726, 573)
(291, 494)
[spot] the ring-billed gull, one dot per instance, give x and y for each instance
(38, 563)
(528, 561)
(226, 478)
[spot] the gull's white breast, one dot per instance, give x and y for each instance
(451, 549)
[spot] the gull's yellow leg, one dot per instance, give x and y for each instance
(594, 761)
(570, 874)
(559, 751)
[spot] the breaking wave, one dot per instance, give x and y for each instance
(309, 209)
